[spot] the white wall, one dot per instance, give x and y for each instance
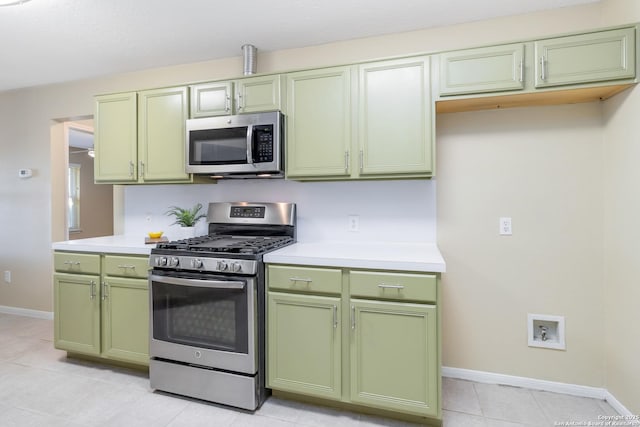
(389, 210)
(541, 166)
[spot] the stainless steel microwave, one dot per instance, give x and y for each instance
(246, 145)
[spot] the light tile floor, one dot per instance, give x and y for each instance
(40, 386)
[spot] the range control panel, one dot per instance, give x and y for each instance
(247, 211)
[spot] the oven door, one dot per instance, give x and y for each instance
(205, 320)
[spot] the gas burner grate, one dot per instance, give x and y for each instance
(228, 244)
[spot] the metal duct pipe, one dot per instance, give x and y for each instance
(249, 56)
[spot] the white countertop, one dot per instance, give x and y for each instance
(371, 255)
(120, 244)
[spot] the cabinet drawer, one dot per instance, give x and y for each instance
(394, 286)
(74, 262)
(126, 266)
(305, 279)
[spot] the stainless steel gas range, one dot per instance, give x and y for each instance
(207, 299)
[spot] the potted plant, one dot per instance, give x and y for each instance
(186, 218)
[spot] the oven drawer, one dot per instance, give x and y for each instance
(74, 262)
(393, 286)
(305, 279)
(126, 266)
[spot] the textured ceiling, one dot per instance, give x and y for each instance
(49, 41)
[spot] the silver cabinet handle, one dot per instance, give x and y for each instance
(92, 289)
(385, 286)
(335, 317)
(346, 161)
(353, 317)
(240, 106)
(131, 168)
(142, 168)
(104, 291)
(521, 71)
(227, 103)
(300, 279)
(543, 71)
(125, 266)
(72, 262)
(361, 160)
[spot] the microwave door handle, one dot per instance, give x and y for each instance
(214, 284)
(250, 144)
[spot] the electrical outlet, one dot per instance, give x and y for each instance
(7, 276)
(505, 226)
(354, 223)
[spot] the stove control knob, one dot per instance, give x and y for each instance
(161, 261)
(222, 266)
(174, 261)
(196, 263)
(236, 267)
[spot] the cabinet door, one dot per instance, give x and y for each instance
(303, 344)
(161, 135)
(601, 56)
(211, 99)
(125, 319)
(76, 299)
(115, 140)
(318, 123)
(489, 69)
(395, 118)
(394, 357)
(257, 94)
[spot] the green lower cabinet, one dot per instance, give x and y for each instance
(394, 356)
(304, 344)
(105, 314)
(365, 338)
(76, 300)
(125, 319)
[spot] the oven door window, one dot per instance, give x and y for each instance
(201, 317)
(218, 146)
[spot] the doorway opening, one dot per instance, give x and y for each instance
(80, 208)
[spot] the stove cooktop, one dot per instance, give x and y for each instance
(228, 244)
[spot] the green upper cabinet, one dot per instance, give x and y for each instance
(211, 99)
(487, 69)
(394, 356)
(585, 58)
(248, 95)
(115, 143)
(162, 115)
(304, 344)
(319, 123)
(140, 137)
(255, 94)
(395, 118)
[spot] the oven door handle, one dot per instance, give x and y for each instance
(217, 284)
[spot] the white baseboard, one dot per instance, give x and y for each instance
(535, 384)
(26, 312)
(632, 419)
